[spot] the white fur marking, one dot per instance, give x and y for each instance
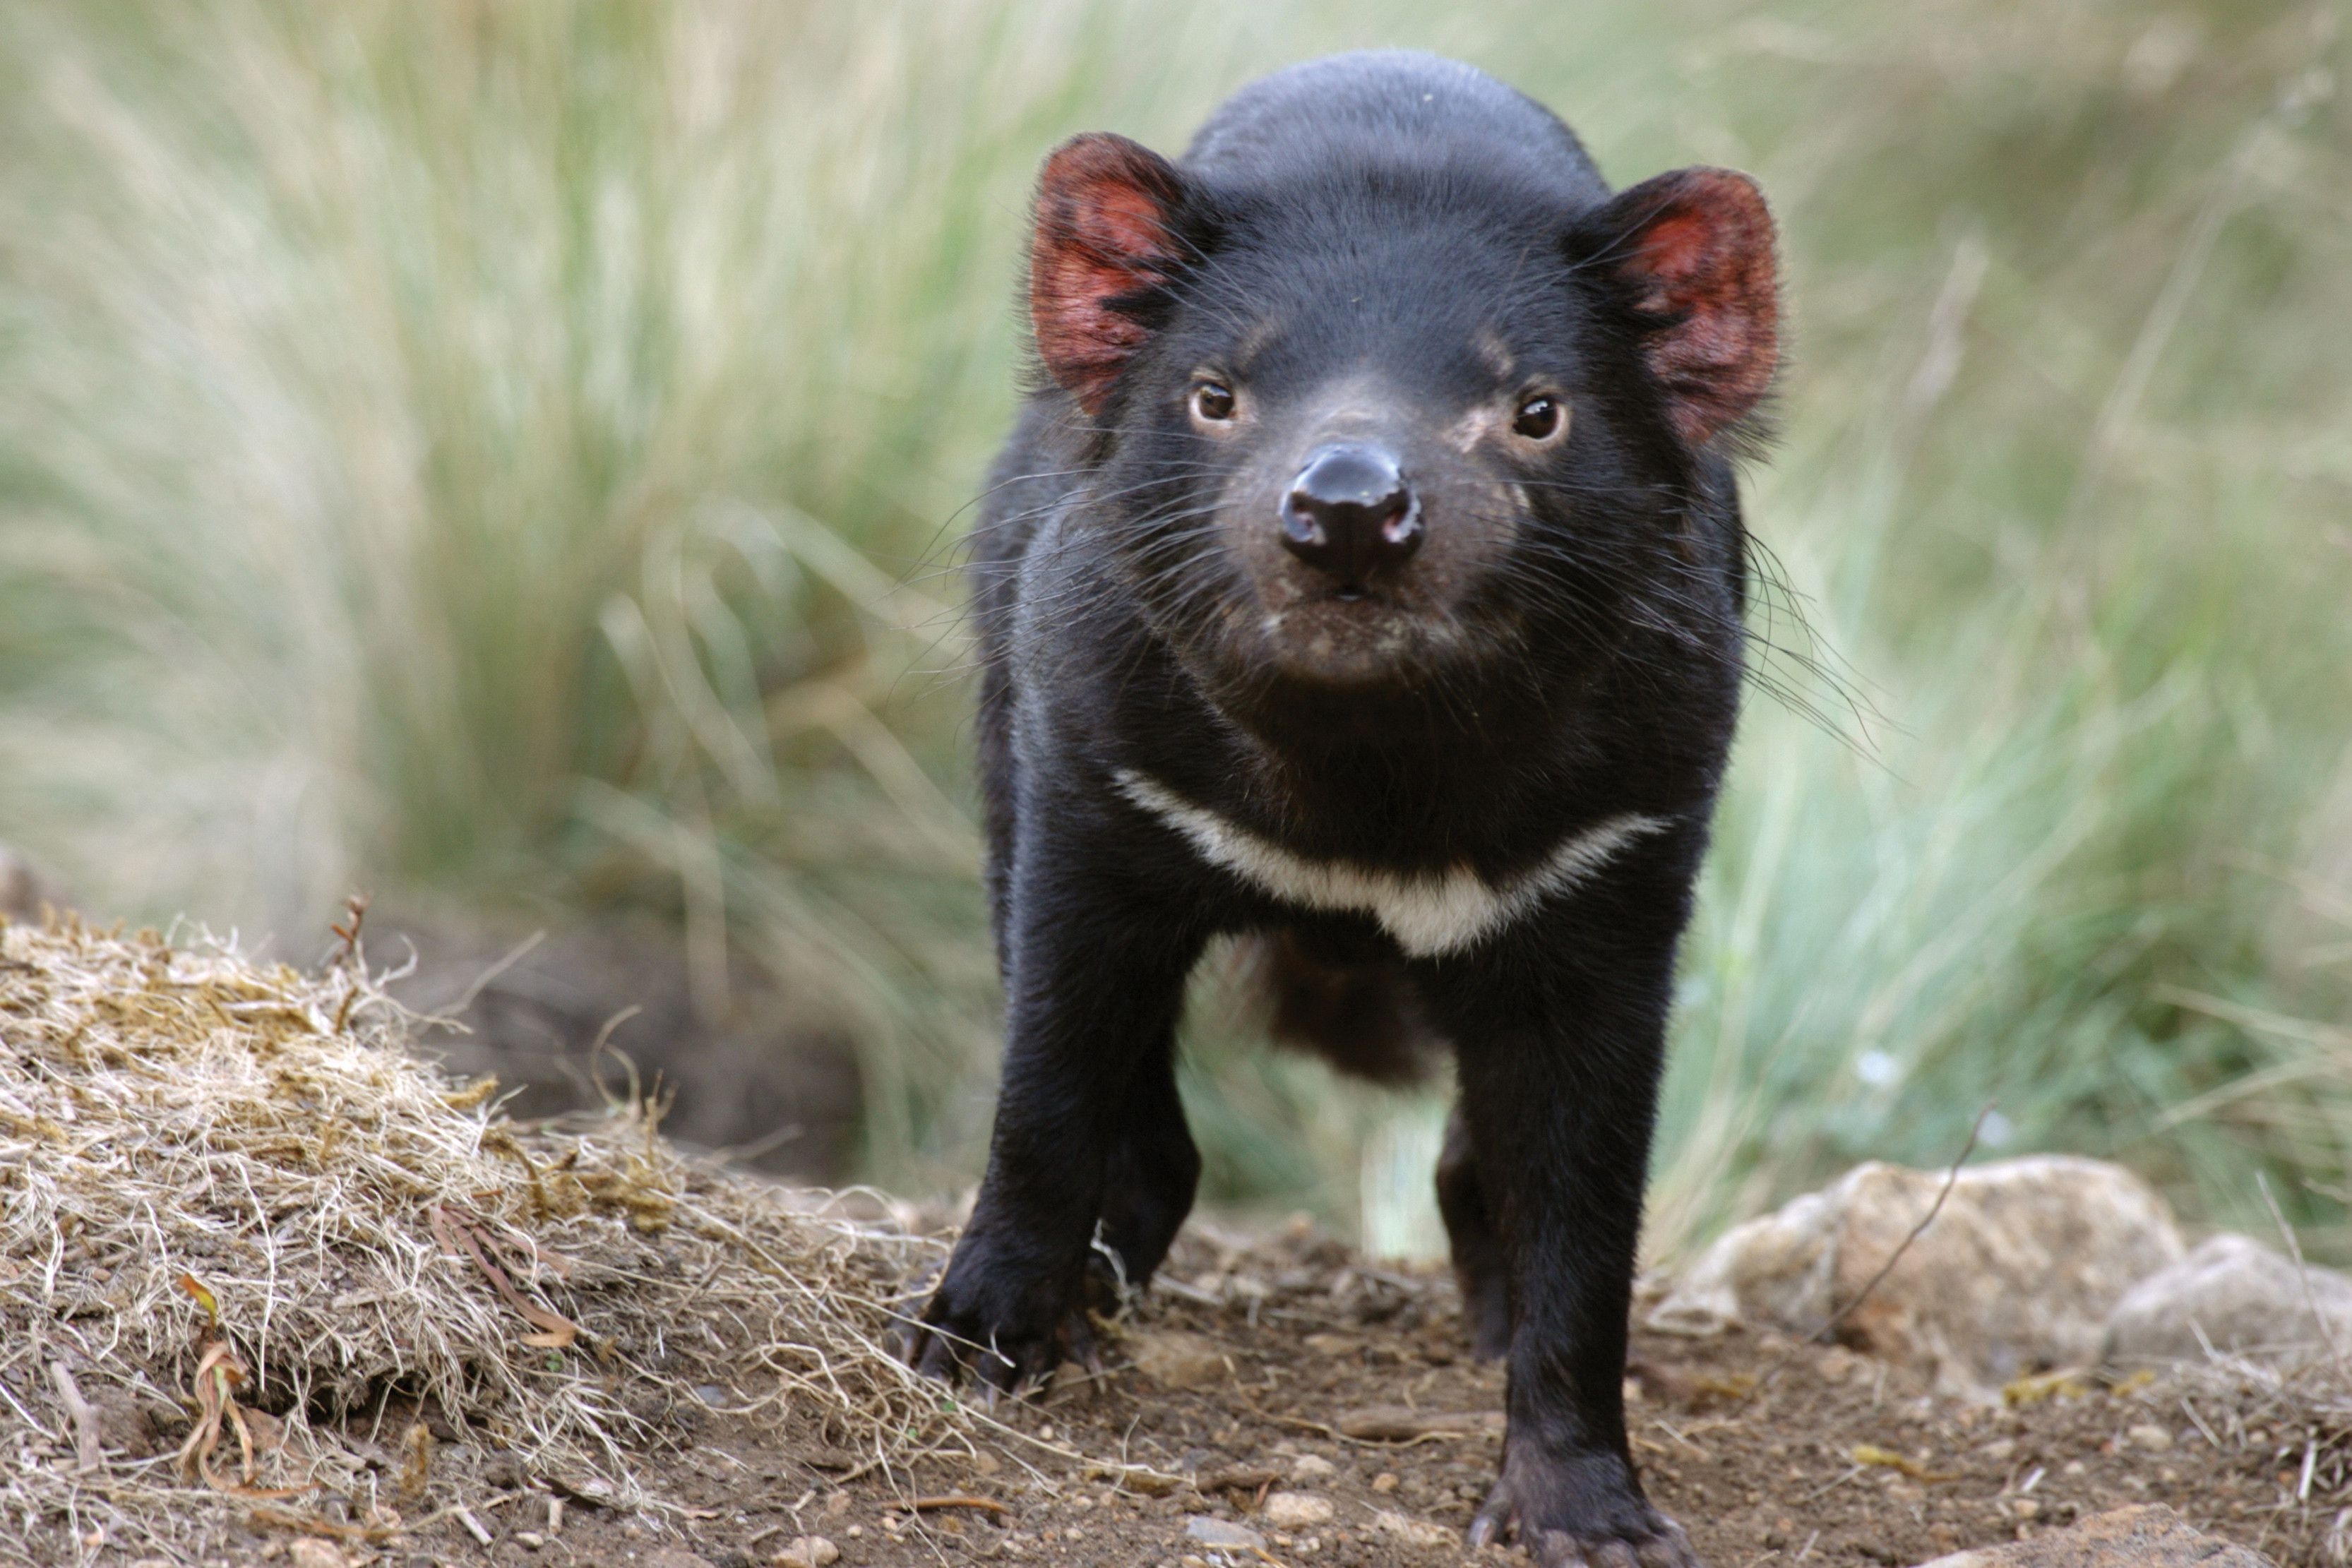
(1428, 912)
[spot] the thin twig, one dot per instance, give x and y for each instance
(2302, 1274)
(483, 981)
(88, 1455)
(1821, 1335)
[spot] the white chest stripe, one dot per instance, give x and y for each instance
(1428, 912)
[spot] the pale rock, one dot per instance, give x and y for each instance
(1417, 1533)
(2019, 1268)
(808, 1551)
(1297, 1509)
(1223, 1534)
(311, 1552)
(2244, 1298)
(2148, 1535)
(1312, 1468)
(1174, 1359)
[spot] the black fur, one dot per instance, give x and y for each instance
(1388, 244)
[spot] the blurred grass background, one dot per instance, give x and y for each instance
(513, 455)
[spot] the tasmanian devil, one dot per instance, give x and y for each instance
(1366, 577)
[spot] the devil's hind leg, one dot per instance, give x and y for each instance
(1478, 1261)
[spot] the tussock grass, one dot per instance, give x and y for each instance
(235, 1207)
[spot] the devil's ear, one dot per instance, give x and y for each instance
(1694, 248)
(1106, 216)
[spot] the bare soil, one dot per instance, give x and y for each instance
(1770, 1451)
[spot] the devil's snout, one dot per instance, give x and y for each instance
(1350, 512)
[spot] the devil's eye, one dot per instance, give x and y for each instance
(1212, 401)
(1539, 418)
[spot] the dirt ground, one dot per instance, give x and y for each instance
(1769, 1451)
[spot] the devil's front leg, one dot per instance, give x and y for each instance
(1560, 1037)
(1094, 967)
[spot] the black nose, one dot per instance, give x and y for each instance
(1350, 511)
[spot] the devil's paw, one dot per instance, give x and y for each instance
(1006, 1323)
(1579, 1511)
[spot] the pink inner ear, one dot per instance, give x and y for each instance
(1702, 254)
(1673, 248)
(1103, 207)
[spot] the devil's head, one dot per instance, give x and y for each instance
(1405, 415)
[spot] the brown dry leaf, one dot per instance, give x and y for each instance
(1398, 1424)
(318, 1524)
(218, 1373)
(1887, 1458)
(557, 1332)
(472, 1095)
(204, 1297)
(417, 1466)
(218, 1370)
(2064, 1384)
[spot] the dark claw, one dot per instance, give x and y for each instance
(933, 1353)
(956, 1338)
(1580, 1513)
(1606, 1554)
(1558, 1550)
(1670, 1548)
(1079, 1344)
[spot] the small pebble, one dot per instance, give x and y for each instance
(1297, 1509)
(1223, 1533)
(1312, 1468)
(808, 1551)
(2154, 1438)
(1385, 1481)
(530, 1540)
(1419, 1534)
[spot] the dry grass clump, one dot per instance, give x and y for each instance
(2289, 1421)
(256, 1259)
